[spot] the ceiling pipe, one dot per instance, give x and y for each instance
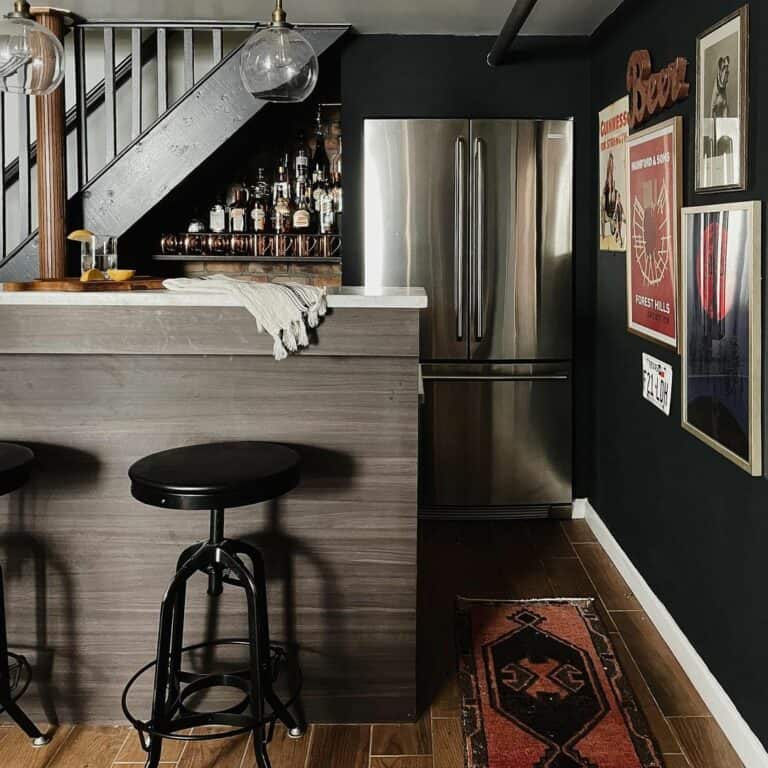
(514, 23)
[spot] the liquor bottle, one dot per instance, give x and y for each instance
(301, 186)
(262, 185)
(336, 189)
(282, 216)
(238, 211)
(302, 215)
(258, 212)
(337, 194)
(320, 162)
(281, 187)
(327, 212)
(217, 216)
(300, 158)
(259, 215)
(318, 186)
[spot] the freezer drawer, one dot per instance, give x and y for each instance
(495, 437)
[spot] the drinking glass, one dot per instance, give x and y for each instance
(99, 252)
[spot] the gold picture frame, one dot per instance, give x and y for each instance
(713, 294)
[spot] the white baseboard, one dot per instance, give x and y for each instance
(742, 737)
(579, 509)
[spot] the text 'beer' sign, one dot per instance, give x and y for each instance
(649, 92)
(657, 382)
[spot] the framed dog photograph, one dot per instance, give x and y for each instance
(722, 104)
(720, 330)
(654, 172)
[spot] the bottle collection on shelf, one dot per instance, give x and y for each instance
(297, 215)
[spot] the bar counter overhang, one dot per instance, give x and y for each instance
(93, 382)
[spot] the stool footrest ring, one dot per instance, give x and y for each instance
(183, 719)
(21, 676)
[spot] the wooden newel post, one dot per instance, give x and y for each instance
(51, 166)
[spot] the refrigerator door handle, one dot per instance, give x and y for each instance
(459, 236)
(479, 234)
(497, 377)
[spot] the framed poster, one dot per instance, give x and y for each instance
(722, 65)
(720, 330)
(614, 130)
(654, 180)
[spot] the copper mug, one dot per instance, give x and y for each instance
(194, 244)
(171, 244)
(330, 246)
(218, 244)
(285, 245)
(241, 245)
(307, 246)
(264, 247)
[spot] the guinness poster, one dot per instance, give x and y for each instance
(614, 130)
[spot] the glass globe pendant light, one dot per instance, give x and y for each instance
(277, 63)
(31, 56)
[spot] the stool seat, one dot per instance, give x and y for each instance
(215, 475)
(15, 463)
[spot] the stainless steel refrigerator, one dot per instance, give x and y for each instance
(478, 212)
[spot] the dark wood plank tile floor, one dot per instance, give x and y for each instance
(502, 560)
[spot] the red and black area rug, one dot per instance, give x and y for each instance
(541, 688)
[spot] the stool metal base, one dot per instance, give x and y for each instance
(12, 689)
(222, 560)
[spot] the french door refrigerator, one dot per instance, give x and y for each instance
(478, 212)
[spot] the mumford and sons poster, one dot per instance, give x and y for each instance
(721, 330)
(614, 130)
(653, 163)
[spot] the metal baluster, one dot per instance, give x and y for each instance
(162, 72)
(25, 190)
(81, 102)
(189, 59)
(110, 115)
(218, 45)
(136, 81)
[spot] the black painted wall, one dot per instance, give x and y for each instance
(692, 522)
(444, 76)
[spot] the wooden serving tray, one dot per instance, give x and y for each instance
(75, 284)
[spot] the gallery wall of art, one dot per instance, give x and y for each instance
(684, 492)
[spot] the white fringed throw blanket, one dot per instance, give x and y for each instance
(280, 309)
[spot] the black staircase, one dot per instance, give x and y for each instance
(159, 154)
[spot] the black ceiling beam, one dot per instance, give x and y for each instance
(520, 12)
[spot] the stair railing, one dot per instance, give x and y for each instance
(103, 100)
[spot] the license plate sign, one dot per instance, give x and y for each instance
(657, 382)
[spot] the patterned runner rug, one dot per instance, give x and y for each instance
(541, 688)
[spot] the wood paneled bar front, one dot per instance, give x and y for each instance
(93, 382)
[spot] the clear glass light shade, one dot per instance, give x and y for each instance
(31, 57)
(278, 64)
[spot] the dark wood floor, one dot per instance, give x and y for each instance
(501, 560)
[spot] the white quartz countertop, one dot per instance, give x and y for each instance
(348, 296)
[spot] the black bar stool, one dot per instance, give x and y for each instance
(15, 464)
(213, 477)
